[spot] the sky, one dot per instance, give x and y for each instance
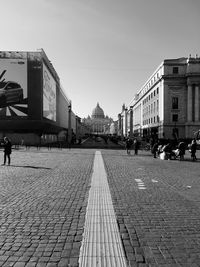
(102, 50)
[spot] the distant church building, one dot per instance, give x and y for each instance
(98, 123)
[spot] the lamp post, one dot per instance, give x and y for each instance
(69, 123)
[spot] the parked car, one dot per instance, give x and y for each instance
(10, 93)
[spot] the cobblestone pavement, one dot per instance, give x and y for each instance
(43, 200)
(157, 208)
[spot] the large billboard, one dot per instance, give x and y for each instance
(49, 95)
(13, 87)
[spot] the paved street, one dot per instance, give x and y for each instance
(43, 201)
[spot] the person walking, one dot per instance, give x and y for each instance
(181, 147)
(7, 150)
(154, 149)
(193, 149)
(136, 146)
(128, 146)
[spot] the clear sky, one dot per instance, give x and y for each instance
(102, 50)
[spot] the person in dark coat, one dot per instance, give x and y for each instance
(154, 149)
(7, 150)
(193, 149)
(181, 147)
(136, 146)
(128, 146)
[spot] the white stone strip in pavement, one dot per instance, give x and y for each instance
(101, 244)
(140, 184)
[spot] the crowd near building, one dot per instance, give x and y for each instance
(33, 106)
(167, 105)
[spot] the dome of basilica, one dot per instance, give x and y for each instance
(98, 112)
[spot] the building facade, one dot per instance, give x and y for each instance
(168, 105)
(33, 105)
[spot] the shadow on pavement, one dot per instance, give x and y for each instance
(33, 167)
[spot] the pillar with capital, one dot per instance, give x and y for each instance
(196, 103)
(189, 103)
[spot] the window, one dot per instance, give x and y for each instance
(175, 70)
(174, 102)
(175, 117)
(157, 90)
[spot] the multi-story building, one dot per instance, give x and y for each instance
(168, 104)
(33, 105)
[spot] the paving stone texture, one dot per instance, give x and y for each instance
(43, 200)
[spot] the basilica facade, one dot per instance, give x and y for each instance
(98, 123)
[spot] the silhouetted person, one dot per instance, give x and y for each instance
(193, 149)
(7, 150)
(136, 146)
(128, 146)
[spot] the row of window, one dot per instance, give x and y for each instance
(151, 120)
(154, 107)
(155, 119)
(150, 83)
(150, 96)
(175, 70)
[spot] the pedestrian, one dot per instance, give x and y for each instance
(7, 149)
(154, 149)
(168, 150)
(136, 146)
(128, 146)
(193, 149)
(181, 148)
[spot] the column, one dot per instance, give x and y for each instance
(196, 103)
(119, 124)
(122, 124)
(189, 104)
(131, 121)
(125, 115)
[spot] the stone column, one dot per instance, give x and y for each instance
(125, 122)
(122, 125)
(189, 104)
(196, 103)
(119, 124)
(131, 121)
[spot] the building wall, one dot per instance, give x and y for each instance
(168, 104)
(39, 117)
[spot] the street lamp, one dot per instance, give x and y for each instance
(69, 123)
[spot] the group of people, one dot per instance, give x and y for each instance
(129, 143)
(169, 151)
(165, 150)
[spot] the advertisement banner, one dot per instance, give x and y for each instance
(49, 95)
(13, 87)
